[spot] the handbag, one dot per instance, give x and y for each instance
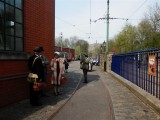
(31, 76)
(63, 80)
(36, 86)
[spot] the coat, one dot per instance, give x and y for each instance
(84, 63)
(54, 79)
(37, 67)
(66, 64)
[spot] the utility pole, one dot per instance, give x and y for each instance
(107, 43)
(61, 41)
(107, 36)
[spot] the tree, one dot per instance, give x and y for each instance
(66, 43)
(154, 19)
(148, 29)
(78, 50)
(125, 41)
(73, 41)
(81, 46)
(144, 36)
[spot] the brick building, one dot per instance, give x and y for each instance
(24, 24)
(69, 51)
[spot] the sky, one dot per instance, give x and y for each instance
(72, 17)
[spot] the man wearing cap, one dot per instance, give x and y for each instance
(35, 66)
(58, 69)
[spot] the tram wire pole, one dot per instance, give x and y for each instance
(107, 37)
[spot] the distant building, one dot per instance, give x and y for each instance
(68, 53)
(24, 24)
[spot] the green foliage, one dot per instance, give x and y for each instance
(144, 36)
(78, 50)
(81, 46)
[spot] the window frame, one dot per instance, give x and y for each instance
(13, 54)
(12, 22)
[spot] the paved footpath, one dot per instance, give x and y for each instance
(103, 98)
(126, 105)
(89, 102)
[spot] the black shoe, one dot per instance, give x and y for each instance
(44, 95)
(37, 104)
(55, 94)
(85, 82)
(59, 93)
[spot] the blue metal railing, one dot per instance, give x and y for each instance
(133, 66)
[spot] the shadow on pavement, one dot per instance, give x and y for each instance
(23, 110)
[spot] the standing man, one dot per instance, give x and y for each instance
(35, 66)
(84, 63)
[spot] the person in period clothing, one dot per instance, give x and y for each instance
(66, 64)
(35, 66)
(58, 70)
(45, 63)
(84, 63)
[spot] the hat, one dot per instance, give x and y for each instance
(57, 53)
(41, 49)
(38, 49)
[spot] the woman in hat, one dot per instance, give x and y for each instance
(58, 70)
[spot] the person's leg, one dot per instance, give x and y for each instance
(55, 90)
(35, 98)
(85, 75)
(31, 94)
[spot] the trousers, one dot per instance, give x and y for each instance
(85, 75)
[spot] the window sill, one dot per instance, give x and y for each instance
(12, 55)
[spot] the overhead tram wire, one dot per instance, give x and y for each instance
(129, 18)
(66, 22)
(90, 22)
(137, 9)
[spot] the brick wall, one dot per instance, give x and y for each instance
(13, 67)
(68, 50)
(39, 24)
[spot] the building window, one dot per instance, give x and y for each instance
(11, 25)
